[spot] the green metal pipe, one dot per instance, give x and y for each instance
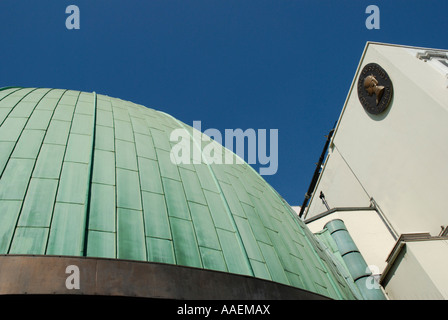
(354, 261)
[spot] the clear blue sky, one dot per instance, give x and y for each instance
(264, 64)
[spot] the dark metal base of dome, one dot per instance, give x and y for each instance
(52, 275)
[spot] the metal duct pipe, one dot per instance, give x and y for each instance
(354, 260)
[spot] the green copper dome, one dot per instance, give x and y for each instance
(84, 174)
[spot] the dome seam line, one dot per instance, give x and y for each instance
(89, 181)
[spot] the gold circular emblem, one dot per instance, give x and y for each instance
(374, 88)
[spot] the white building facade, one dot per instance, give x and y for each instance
(386, 173)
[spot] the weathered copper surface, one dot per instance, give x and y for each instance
(374, 88)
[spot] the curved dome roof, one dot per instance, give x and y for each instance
(89, 175)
